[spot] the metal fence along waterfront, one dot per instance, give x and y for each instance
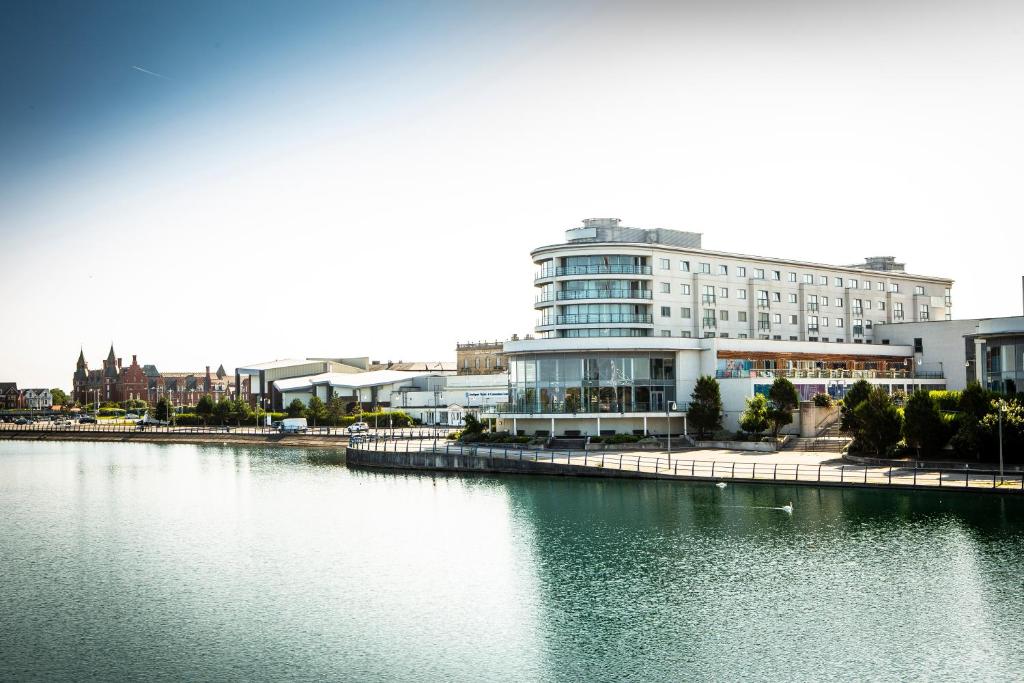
(668, 466)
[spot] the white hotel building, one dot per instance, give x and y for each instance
(630, 318)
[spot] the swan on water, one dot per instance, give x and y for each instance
(721, 484)
(787, 508)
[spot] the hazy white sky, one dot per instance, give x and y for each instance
(362, 183)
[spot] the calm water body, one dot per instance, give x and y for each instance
(152, 562)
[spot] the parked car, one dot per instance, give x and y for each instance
(23, 421)
(131, 416)
(87, 419)
(358, 427)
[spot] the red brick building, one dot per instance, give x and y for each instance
(117, 382)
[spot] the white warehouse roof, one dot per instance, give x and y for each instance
(343, 380)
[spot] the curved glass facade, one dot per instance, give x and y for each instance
(591, 383)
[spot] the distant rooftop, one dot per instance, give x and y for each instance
(609, 230)
(884, 263)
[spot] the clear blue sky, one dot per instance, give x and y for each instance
(233, 182)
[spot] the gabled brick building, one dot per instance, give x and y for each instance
(117, 382)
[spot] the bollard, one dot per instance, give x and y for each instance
(865, 474)
(732, 473)
(819, 473)
(753, 471)
(915, 475)
(712, 469)
(841, 469)
(775, 469)
(889, 475)
(796, 477)
(693, 465)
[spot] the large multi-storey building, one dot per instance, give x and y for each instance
(606, 280)
(631, 318)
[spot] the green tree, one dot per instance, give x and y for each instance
(1013, 431)
(783, 400)
(923, 426)
(59, 397)
(855, 395)
(472, 425)
(316, 411)
(975, 401)
(205, 408)
(879, 423)
(222, 410)
(163, 409)
(335, 410)
(241, 410)
(296, 408)
(705, 412)
(755, 418)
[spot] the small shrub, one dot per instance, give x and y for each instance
(823, 400)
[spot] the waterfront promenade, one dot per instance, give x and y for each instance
(428, 449)
(818, 469)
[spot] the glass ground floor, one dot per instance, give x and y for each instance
(591, 383)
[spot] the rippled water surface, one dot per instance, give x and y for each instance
(156, 562)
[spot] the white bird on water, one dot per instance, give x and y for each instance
(787, 508)
(721, 484)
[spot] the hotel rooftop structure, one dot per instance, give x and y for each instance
(631, 317)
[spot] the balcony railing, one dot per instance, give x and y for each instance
(569, 408)
(857, 311)
(858, 330)
(764, 325)
(543, 299)
(710, 322)
(590, 318)
(812, 307)
(612, 269)
(813, 329)
(763, 303)
(949, 301)
(831, 374)
(707, 298)
(923, 316)
(544, 273)
(572, 294)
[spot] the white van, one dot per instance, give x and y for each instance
(294, 425)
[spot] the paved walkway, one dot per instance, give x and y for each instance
(809, 467)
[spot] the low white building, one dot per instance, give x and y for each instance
(431, 398)
(989, 351)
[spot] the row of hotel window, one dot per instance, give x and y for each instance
(813, 321)
(808, 279)
(709, 294)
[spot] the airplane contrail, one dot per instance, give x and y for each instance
(151, 73)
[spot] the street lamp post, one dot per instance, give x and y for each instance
(1001, 406)
(669, 405)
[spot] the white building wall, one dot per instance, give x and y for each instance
(943, 346)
